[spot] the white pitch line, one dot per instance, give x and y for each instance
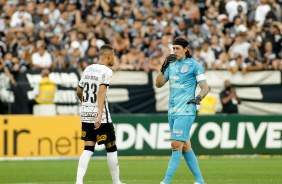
(110, 181)
(97, 181)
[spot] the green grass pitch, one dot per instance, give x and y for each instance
(215, 170)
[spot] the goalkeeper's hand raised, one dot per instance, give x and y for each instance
(169, 59)
(197, 100)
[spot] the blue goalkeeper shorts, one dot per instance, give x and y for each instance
(180, 127)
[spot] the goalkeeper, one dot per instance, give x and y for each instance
(183, 73)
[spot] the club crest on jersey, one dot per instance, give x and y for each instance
(184, 68)
(101, 138)
(83, 134)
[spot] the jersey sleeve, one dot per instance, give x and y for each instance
(199, 72)
(106, 77)
(81, 82)
(166, 75)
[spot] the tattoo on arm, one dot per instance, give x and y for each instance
(204, 89)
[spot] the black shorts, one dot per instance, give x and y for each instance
(103, 135)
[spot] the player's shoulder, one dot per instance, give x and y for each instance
(193, 62)
(105, 69)
(99, 68)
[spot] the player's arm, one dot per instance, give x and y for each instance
(204, 91)
(161, 80)
(79, 93)
(101, 102)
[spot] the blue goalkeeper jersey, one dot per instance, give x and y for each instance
(183, 76)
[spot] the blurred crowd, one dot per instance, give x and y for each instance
(236, 35)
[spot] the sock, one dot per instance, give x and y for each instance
(113, 165)
(173, 165)
(82, 165)
(192, 163)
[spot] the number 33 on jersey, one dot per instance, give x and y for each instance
(94, 76)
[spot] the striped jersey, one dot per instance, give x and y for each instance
(94, 76)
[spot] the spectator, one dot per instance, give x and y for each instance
(146, 9)
(175, 16)
(15, 43)
(239, 46)
(155, 63)
(91, 57)
(189, 8)
(120, 41)
(234, 30)
(5, 69)
(252, 62)
(271, 61)
(216, 47)
(261, 12)
(54, 45)
(53, 13)
(150, 32)
(238, 64)
(59, 62)
(223, 62)
(222, 20)
(26, 49)
(205, 28)
(101, 34)
(229, 99)
(31, 6)
(63, 20)
(218, 4)
(44, 24)
(74, 15)
(159, 22)
(136, 30)
(41, 36)
(276, 9)
(130, 60)
(208, 55)
(275, 37)
(252, 6)
(197, 57)
(29, 30)
(142, 63)
(180, 29)
(74, 56)
(165, 46)
(212, 13)
(194, 37)
(41, 59)
(232, 9)
(59, 32)
(242, 15)
(20, 17)
(152, 48)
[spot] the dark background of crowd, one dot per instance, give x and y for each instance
(224, 35)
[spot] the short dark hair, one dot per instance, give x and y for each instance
(105, 49)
